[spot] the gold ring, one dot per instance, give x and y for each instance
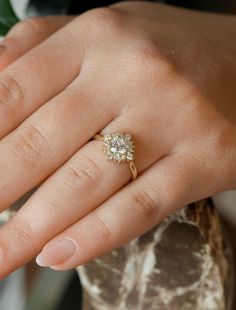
(119, 147)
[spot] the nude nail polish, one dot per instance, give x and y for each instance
(2, 48)
(56, 253)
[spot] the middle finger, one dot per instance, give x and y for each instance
(37, 147)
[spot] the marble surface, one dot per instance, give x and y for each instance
(183, 263)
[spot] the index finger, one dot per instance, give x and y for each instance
(39, 75)
(27, 34)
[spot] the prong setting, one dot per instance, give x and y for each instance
(118, 147)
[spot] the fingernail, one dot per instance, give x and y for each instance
(2, 48)
(56, 253)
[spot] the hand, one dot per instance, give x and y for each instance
(163, 74)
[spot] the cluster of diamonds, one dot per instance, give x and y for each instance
(118, 147)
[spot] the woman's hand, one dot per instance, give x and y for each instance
(163, 74)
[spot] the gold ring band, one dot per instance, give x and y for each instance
(119, 147)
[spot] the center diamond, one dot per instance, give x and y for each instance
(119, 147)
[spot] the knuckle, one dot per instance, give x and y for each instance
(20, 233)
(102, 230)
(5, 246)
(151, 60)
(84, 175)
(30, 146)
(223, 140)
(223, 145)
(11, 94)
(102, 20)
(147, 52)
(143, 203)
(33, 24)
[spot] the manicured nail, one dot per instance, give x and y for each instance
(2, 48)
(56, 253)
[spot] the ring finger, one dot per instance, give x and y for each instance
(169, 184)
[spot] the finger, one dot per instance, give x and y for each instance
(27, 34)
(33, 79)
(162, 189)
(37, 147)
(85, 181)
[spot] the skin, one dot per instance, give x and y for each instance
(165, 75)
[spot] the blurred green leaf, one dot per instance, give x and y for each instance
(8, 17)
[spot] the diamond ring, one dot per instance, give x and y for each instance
(119, 147)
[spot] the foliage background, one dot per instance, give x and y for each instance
(8, 18)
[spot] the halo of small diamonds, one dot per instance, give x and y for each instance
(118, 147)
